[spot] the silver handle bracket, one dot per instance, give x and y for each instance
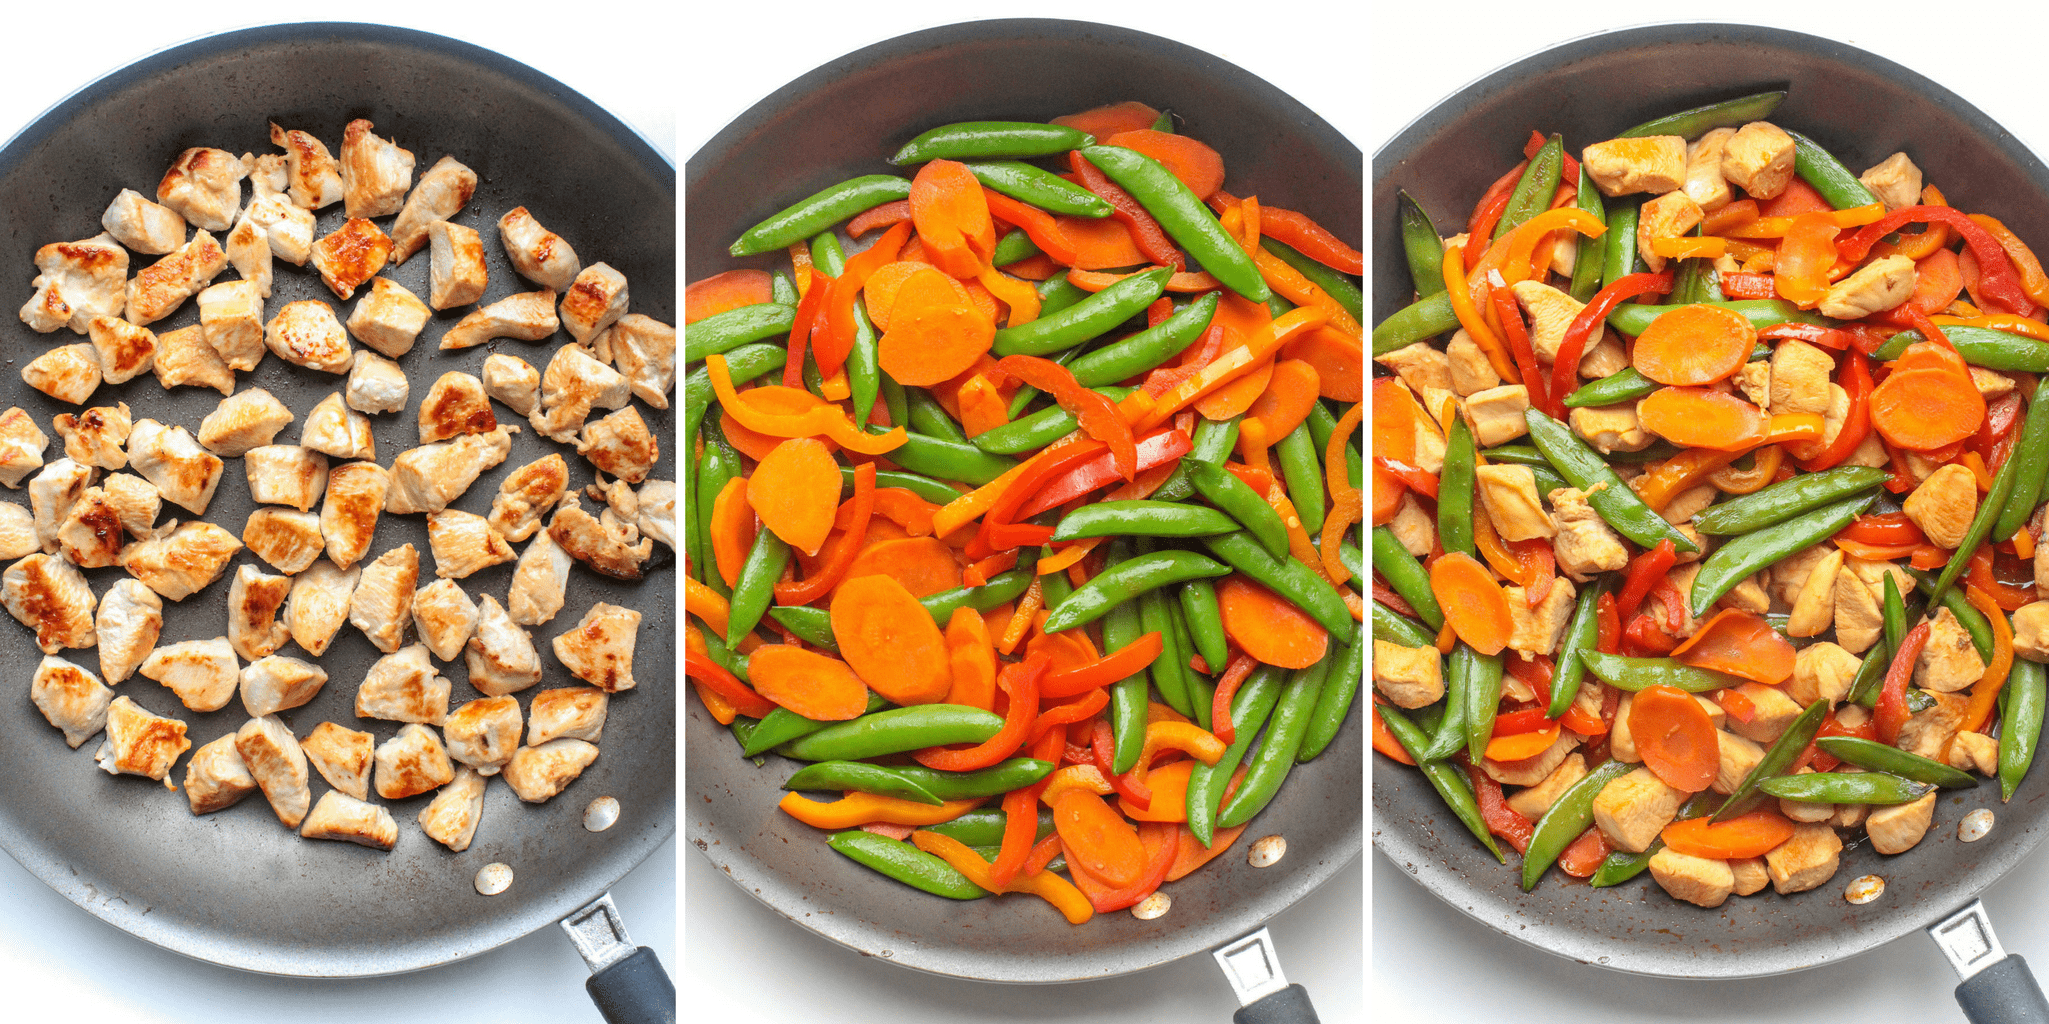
(1967, 940)
(599, 934)
(1252, 966)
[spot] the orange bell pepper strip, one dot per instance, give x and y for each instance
(1123, 662)
(706, 604)
(1020, 298)
(1037, 224)
(857, 809)
(1080, 710)
(835, 338)
(1257, 351)
(816, 287)
(827, 420)
(1461, 295)
(1021, 681)
(1985, 695)
(1522, 242)
(1180, 282)
(1097, 415)
(1779, 227)
(701, 668)
(1046, 885)
(1707, 247)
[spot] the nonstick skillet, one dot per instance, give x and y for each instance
(235, 888)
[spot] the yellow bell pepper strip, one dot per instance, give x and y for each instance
(1226, 368)
(706, 604)
(1348, 503)
(1705, 247)
(800, 268)
(1985, 695)
(1779, 227)
(1046, 885)
(1764, 466)
(1076, 777)
(857, 809)
(1667, 479)
(1805, 258)
(1787, 428)
(2033, 280)
(1021, 298)
(1461, 296)
(2003, 322)
(1519, 263)
(828, 420)
(1187, 737)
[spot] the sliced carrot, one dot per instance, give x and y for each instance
(933, 343)
(1290, 394)
(1937, 283)
(1111, 119)
(890, 640)
(1269, 628)
(1474, 605)
(817, 687)
(1198, 166)
(952, 217)
(732, 529)
(1745, 835)
(1741, 644)
(1098, 838)
(1922, 410)
(1234, 398)
(1699, 418)
(982, 407)
(1065, 651)
(1676, 737)
(1339, 360)
(1100, 244)
(727, 291)
(922, 565)
(1522, 745)
(885, 286)
(795, 490)
(1169, 786)
(972, 655)
(1036, 267)
(1694, 345)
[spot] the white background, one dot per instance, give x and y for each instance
(51, 952)
(1424, 943)
(1313, 54)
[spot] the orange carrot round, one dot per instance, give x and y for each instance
(1098, 838)
(1694, 345)
(1676, 737)
(1290, 393)
(924, 565)
(1339, 360)
(1102, 244)
(1741, 644)
(1198, 166)
(796, 492)
(819, 688)
(890, 641)
(952, 217)
(1474, 605)
(1271, 630)
(1238, 395)
(1922, 410)
(1111, 119)
(1746, 835)
(1169, 786)
(1699, 418)
(930, 344)
(972, 655)
(727, 291)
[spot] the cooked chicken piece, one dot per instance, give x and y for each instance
(1789, 574)
(1877, 286)
(341, 816)
(231, 314)
(315, 177)
(94, 437)
(286, 474)
(184, 357)
(512, 380)
(525, 496)
(205, 187)
(351, 255)
(278, 683)
(1531, 803)
(1898, 828)
(215, 777)
(140, 743)
(245, 420)
(1822, 671)
(179, 561)
(442, 193)
(1585, 545)
(1415, 528)
(1471, 372)
(1738, 757)
(203, 673)
(1696, 880)
(1804, 861)
(622, 446)
(1509, 493)
(2030, 631)
(599, 650)
(1759, 159)
(1550, 311)
(342, 756)
(1531, 770)
(1974, 751)
(376, 384)
(67, 373)
(464, 543)
(501, 658)
(1800, 378)
(1895, 181)
(1929, 732)
(248, 248)
(403, 687)
(254, 600)
(606, 545)
(527, 316)
(21, 446)
(52, 493)
(1410, 677)
(1633, 809)
(348, 518)
(1668, 216)
(306, 334)
(456, 274)
(1537, 630)
(428, 478)
(572, 386)
(1749, 875)
(91, 536)
(17, 532)
(1991, 384)
(445, 617)
(319, 605)
(593, 302)
(1944, 505)
(411, 763)
(1858, 615)
(1421, 366)
(576, 712)
(1815, 609)
(273, 756)
(71, 698)
(655, 511)
(451, 817)
(1949, 660)
(375, 172)
(389, 318)
(1772, 712)
(287, 229)
(78, 281)
(121, 350)
(537, 774)
(540, 255)
(483, 733)
(160, 288)
(49, 595)
(335, 429)
(644, 349)
(135, 501)
(456, 404)
(539, 582)
(1496, 414)
(134, 221)
(1704, 182)
(383, 599)
(1656, 164)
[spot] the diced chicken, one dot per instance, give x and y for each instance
(254, 600)
(1898, 828)
(607, 545)
(515, 382)
(351, 255)
(464, 543)
(537, 774)
(483, 733)
(375, 172)
(287, 539)
(248, 249)
(319, 605)
(441, 193)
(1754, 379)
(1806, 810)
(1859, 619)
(278, 683)
(456, 273)
(1815, 609)
(78, 281)
(49, 595)
(621, 445)
(1421, 366)
(121, 350)
(1944, 505)
(215, 777)
(130, 619)
(67, 373)
(445, 617)
(160, 288)
(1470, 371)
(525, 496)
(231, 314)
(1771, 712)
(132, 220)
(342, 756)
(644, 349)
(382, 603)
(21, 446)
(1759, 159)
(1509, 493)
(1668, 216)
(576, 712)
(287, 229)
(73, 700)
(341, 816)
(599, 649)
(526, 316)
(1974, 751)
(1894, 180)
(1704, 182)
(273, 756)
(1537, 630)
(205, 187)
(1789, 574)
(1633, 809)
(1750, 875)
(411, 763)
(1738, 756)
(94, 437)
(1655, 164)
(403, 687)
(140, 743)
(1949, 660)
(428, 478)
(1532, 802)
(1429, 440)
(1496, 414)
(456, 404)
(184, 357)
(245, 420)
(655, 511)
(286, 474)
(2031, 631)
(540, 581)
(389, 318)
(1605, 358)
(451, 817)
(1696, 880)
(135, 500)
(1415, 528)
(306, 334)
(1550, 311)
(348, 518)
(1822, 671)
(314, 175)
(540, 255)
(1585, 545)
(333, 428)
(594, 300)
(52, 493)
(573, 385)
(1799, 378)
(18, 532)
(1927, 732)
(376, 384)
(91, 535)
(203, 673)
(501, 658)
(1992, 384)
(1877, 286)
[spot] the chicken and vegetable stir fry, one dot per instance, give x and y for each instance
(1706, 500)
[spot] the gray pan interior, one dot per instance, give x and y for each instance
(1862, 108)
(235, 887)
(844, 119)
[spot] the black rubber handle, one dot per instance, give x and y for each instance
(634, 991)
(2004, 993)
(1288, 1006)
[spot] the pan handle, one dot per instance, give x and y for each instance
(1286, 1006)
(635, 990)
(1997, 988)
(1253, 968)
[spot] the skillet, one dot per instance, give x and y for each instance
(234, 888)
(1862, 108)
(844, 119)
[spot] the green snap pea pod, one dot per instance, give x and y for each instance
(742, 364)
(783, 725)
(1533, 191)
(1088, 319)
(1199, 609)
(1213, 441)
(1176, 487)
(1517, 455)
(1893, 614)
(718, 466)
(861, 777)
(755, 587)
(1270, 765)
(1142, 519)
(864, 377)
(1249, 710)
(929, 419)
(1124, 581)
(1002, 777)
(1128, 357)
(1244, 505)
(1968, 617)
(1616, 503)
(1201, 690)
(1483, 702)
(1580, 636)
(1586, 262)
(893, 399)
(1423, 246)
(1688, 282)
(1783, 752)
(1568, 817)
(1692, 124)
(984, 826)
(1294, 581)
(1624, 385)
(1845, 788)
(1036, 431)
(1829, 177)
(1450, 783)
(1884, 757)
(1870, 673)
(1989, 510)
(1621, 866)
(1618, 258)
(1455, 492)
(1741, 556)
(949, 460)
(815, 213)
(1634, 674)
(812, 625)
(1421, 320)
(1057, 293)
(1183, 216)
(723, 332)
(1633, 319)
(1980, 346)
(1334, 704)
(1121, 629)
(1302, 468)
(781, 291)
(1012, 248)
(1054, 586)
(1005, 140)
(2031, 458)
(827, 255)
(1003, 586)
(923, 486)
(1040, 188)
(1169, 671)
(1334, 283)
(1784, 500)
(895, 731)
(1465, 671)
(905, 863)
(2020, 723)
(1396, 628)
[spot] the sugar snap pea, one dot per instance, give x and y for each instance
(1040, 188)
(1214, 440)
(1002, 777)
(1169, 671)
(1422, 245)
(816, 212)
(812, 625)
(1037, 430)
(1786, 499)
(1283, 740)
(1121, 629)
(723, 332)
(1294, 581)
(1334, 284)
(931, 420)
(1616, 503)
(1581, 633)
(1001, 140)
(1245, 506)
(861, 777)
(1634, 674)
(1205, 620)
(2030, 458)
(1694, 123)
(1142, 519)
(1421, 320)
(1302, 469)
(1334, 703)
(1740, 557)
(1483, 701)
(1465, 670)
(905, 863)
(1569, 816)
(754, 588)
(1884, 757)
(1989, 510)
(1533, 191)
(783, 725)
(1013, 248)
(780, 290)
(923, 486)
(1126, 580)
(719, 464)
(1817, 167)
(1633, 319)
(1450, 783)
(895, 731)
(984, 826)
(1586, 262)
(1201, 690)
(1625, 385)
(742, 364)
(1128, 357)
(1455, 492)
(1845, 788)
(1396, 628)
(1781, 755)
(1619, 258)
(1003, 586)
(1249, 710)
(1183, 216)
(1980, 346)
(1085, 320)
(949, 460)
(2022, 700)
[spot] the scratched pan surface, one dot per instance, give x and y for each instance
(1862, 108)
(235, 887)
(845, 119)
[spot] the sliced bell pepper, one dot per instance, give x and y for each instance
(1999, 281)
(827, 420)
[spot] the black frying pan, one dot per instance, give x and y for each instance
(1861, 107)
(235, 888)
(844, 119)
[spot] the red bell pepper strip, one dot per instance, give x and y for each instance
(1161, 840)
(1071, 712)
(805, 322)
(1515, 723)
(1608, 639)
(1043, 853)
(1856, 383)
(1146, 232)
(1031, 479)
(819, 584)
(1234, 676)
(1534, 673)
(1891, 712)
(1644, 570)
(1813, 334)
(1096, 413)
(1748, 286)
(978, 573)
(1310, 239)
(1999, 281)
(1158, 449)
(1021, 682)
(1386, 595)
(1644, 636)
(1589, 322)
(1038, 225)
(725, 684)
(2001, 416)
(1122, 663)
(1416, 479)
(1487, 212)
(1103, 746)
(1501, 819)
(1519, 346)
(886, 215)
(832, 344)
(1020, 827)
(1883, 529)
(1675, 605)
